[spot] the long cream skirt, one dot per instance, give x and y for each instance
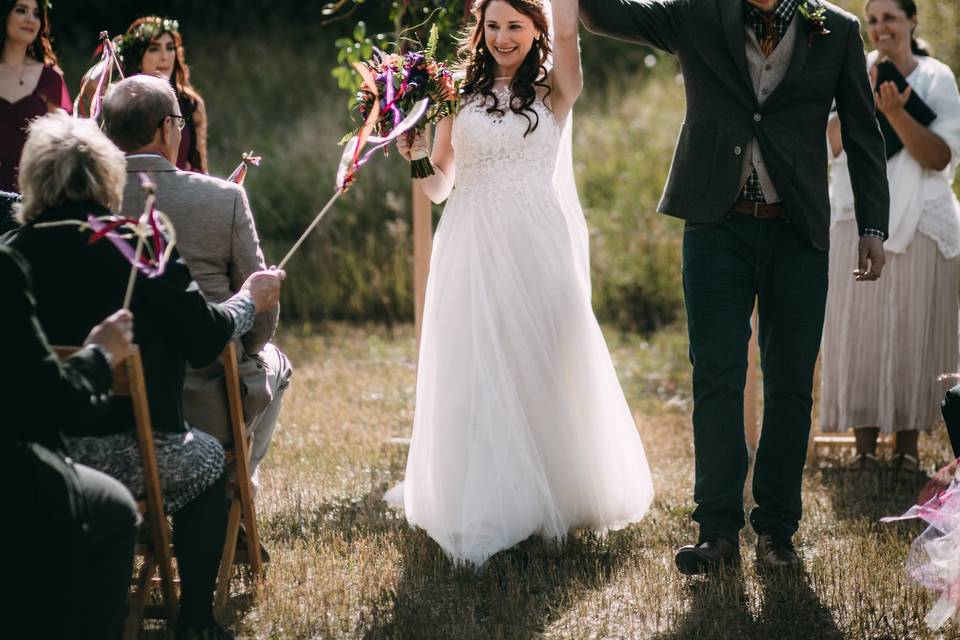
(886, 342)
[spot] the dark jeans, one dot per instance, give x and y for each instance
(74, 568)
(198, 532)
(726, 266)
(951, 415)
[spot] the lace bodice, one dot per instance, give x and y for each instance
(491, 152)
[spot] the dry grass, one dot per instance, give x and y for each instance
(346, 566)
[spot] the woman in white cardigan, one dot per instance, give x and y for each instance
(914, 337)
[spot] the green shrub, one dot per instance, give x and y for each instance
(624, 137)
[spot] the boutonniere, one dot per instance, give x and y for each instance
(816, 16)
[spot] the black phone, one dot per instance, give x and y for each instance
(915, 106)
(888, 72)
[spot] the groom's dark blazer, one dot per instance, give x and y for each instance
(723, 114)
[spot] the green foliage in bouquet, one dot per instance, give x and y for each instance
(411, 19)
(396, 85)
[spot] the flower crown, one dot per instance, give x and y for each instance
(536, 4)
(147, 31)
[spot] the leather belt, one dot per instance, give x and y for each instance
(760, 210)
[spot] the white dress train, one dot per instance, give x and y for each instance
(520, 426)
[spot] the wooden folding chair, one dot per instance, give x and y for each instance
(242, 507)
(128, 381)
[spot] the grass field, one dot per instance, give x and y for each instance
(346, 566)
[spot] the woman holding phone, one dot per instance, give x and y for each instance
(914, 337)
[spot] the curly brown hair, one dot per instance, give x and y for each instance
(134, 44)
(480, 66)
(41, 49)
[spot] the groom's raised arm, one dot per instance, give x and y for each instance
(653, 22)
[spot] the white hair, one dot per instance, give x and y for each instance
(65, 160)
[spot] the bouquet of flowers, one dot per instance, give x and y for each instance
(402, 81)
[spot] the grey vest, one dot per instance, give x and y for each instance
(766, 74)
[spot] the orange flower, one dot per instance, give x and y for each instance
(449, 90)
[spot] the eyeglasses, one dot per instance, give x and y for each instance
(179, 121)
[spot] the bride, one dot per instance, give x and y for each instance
(521, 426)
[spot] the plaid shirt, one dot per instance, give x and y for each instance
(782, 17)
(242, 312)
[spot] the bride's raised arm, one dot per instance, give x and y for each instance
(567, 74)
(439, 185)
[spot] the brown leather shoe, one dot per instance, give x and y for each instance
(707, 556)
(776, 553)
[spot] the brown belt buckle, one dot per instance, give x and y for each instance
(756, 210)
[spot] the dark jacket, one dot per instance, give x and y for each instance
(79, 284)
(41, 397)
(7, 221)
(723, 114)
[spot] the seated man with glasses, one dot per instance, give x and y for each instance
(179, 121)
(217, 238)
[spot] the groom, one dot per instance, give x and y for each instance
(749, 176)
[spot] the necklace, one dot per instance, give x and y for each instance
(19, 76)
(504, 78)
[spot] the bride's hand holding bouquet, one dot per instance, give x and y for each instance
(413, 147)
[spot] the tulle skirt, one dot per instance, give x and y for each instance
(934, 559)
(521, 426)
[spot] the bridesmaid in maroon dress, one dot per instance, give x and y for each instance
(153, 45)
(31, 84)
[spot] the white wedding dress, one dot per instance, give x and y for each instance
(521, 426)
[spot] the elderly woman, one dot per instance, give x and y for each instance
(70, 171)
(880, 369)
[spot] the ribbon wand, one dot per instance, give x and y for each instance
(313, 225)
(102, 74)
(240, 173)
(151, 190)
(353, 157)
(352, 160)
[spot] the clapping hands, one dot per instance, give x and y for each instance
(889, 99)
